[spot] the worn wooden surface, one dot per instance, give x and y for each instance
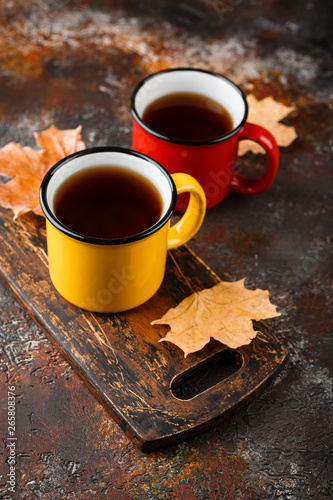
(119, 356)
(78, 65)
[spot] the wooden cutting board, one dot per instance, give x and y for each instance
(157, 396)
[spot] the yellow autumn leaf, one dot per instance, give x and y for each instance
(268, 113)
(26, 167)
(223, 312)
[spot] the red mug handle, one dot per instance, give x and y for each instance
(248, 185)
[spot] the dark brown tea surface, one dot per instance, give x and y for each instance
(188, 116)
(107, 202)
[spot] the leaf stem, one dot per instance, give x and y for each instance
(181, 273)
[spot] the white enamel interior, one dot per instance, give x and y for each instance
(115, 160)
(214, 87)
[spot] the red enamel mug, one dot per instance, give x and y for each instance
(211, 162)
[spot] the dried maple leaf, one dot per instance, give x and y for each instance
(26, 167)
(56, 144)
(223, 312)
(268, 113)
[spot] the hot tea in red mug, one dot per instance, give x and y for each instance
(190, 120)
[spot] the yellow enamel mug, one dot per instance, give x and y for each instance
(116, 274)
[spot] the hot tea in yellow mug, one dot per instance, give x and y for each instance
(108, 214)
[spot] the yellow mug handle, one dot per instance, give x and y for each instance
(190, 223)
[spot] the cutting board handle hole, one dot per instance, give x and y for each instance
(206, 374)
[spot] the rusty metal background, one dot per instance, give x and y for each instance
(77, 63)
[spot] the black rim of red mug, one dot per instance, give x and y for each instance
(173, 140)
